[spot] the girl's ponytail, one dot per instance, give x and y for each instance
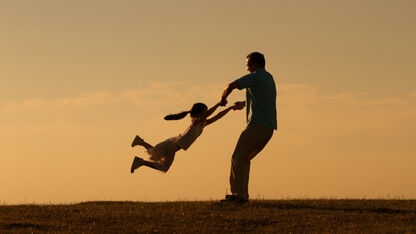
(176, 116)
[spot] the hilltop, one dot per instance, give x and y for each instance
(212, 216)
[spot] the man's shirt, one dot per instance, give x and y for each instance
(260, 98)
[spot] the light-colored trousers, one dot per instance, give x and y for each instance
(252, 140)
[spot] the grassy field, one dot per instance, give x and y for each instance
(297, 216)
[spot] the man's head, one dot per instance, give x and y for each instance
(255, 61)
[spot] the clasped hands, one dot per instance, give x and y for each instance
(236, 106)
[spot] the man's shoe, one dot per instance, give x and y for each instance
(230, 197)
(234, 199)
(240, 200)
(137, 162)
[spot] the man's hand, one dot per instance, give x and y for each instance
(227, 91)
(223, 102)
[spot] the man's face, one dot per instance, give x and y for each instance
(250, 66)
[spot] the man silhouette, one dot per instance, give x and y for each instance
(261, 122)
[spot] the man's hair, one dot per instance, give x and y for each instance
(257, 58)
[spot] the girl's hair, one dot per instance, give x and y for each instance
(194, 111)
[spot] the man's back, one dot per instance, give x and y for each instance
(261, 98)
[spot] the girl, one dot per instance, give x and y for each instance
(162, 155)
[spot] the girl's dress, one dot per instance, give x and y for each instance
(164, 152)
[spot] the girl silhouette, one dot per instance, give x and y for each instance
(163, 154)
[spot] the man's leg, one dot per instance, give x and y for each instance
(252, 140)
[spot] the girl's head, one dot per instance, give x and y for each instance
(198, 110)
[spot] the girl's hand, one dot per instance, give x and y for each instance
(238, 105)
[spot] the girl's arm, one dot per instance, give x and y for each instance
(218, 116)
(236, 106)
(212, 110)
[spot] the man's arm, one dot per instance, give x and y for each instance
(230, 87)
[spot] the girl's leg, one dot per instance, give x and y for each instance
(156, 165)
(138, 162)
(165, 163)
(147, 145)
(139, 141)
(162, 165)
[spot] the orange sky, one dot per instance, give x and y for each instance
(79, 79)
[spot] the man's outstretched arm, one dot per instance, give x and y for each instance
(230, 87)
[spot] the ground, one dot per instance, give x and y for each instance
(274, 216)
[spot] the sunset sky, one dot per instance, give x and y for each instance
(79, 79)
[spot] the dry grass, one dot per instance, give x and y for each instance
(299, 216)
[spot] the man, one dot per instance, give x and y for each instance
(261, 122)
